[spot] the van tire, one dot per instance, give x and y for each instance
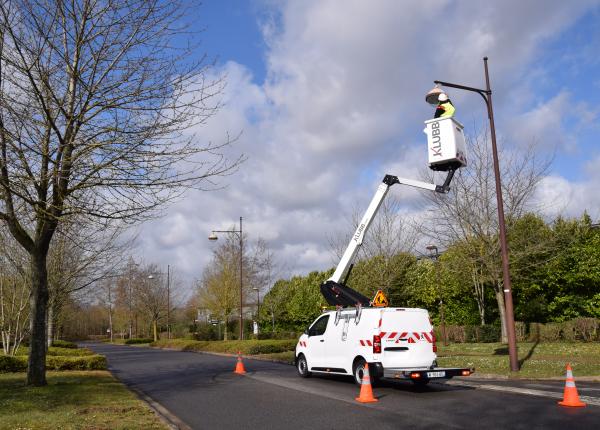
(302, 366)
(358, 370)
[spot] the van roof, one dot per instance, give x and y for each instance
(386, 309)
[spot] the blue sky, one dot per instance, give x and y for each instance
(329, 97)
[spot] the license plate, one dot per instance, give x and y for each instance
(436, 374)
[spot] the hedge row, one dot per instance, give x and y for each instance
(19, 363)
(64, 344)
(578, 329)
(135, 341)
(247, 347)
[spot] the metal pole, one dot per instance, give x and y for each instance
(508, 302)
(241, 282)
(168, 301)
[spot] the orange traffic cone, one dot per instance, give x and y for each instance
(239, 367)
(571, 398)
(366, 392)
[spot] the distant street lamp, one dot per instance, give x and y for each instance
(431, 249)
(508, 301)
(214, 237)
(168, 298)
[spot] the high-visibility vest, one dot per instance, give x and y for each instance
(448, 110)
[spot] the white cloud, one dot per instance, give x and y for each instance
(343, 104)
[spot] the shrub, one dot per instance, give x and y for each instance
(13, 364)
(64, 344)
(489, 333)
(521, 331)
(456, 333)
(550, 332)
(135, 341)
(568, 331)
(586, 328)
(90, 362)
(68, 352)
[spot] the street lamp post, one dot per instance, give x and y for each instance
(213, 237)
(508, 301)
(431, 249)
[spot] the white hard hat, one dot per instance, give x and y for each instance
(443, 97)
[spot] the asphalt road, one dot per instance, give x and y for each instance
(203, 391)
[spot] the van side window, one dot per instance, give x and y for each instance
(319, 327)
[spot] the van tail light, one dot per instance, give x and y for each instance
(376, 344)
(434, 346)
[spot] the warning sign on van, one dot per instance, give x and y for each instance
(380, 300)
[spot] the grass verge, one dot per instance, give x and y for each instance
(538, 360)
(72, 400)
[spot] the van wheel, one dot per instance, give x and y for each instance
(302, 366)
(358, 370)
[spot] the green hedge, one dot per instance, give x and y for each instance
(578, 329)
(19, 363)
(136, 341)
(247, 347)
(64, 344)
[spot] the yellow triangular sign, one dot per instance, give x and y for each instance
(380, 300)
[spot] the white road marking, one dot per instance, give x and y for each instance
(586, 399)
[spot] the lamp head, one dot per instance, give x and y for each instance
(212, 237)
(432, 97)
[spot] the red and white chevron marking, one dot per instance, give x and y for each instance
(302, 343)
(410, 337)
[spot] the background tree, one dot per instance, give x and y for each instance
(469, 213)
(219, 288)
(384, 255)
(14, 294)
(95, 99)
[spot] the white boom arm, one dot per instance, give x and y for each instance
(357, 239)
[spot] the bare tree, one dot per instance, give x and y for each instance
(219, 287)
(389, 235)
(81, 253)
(14, 294)
(95, 103)
(468, 214)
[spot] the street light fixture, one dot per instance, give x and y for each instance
(432, 249)
(168, 299)
(214, 237)
(508, 301)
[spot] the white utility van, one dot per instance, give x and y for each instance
(396, 342)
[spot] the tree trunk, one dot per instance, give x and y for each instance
(154, 330)
(501, 310)
(36, 366)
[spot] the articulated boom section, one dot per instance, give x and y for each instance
(334, 290)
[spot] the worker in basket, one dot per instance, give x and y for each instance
(445, 108)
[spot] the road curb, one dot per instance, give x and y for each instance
(163, 413)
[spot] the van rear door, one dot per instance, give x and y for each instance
(406, 338)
